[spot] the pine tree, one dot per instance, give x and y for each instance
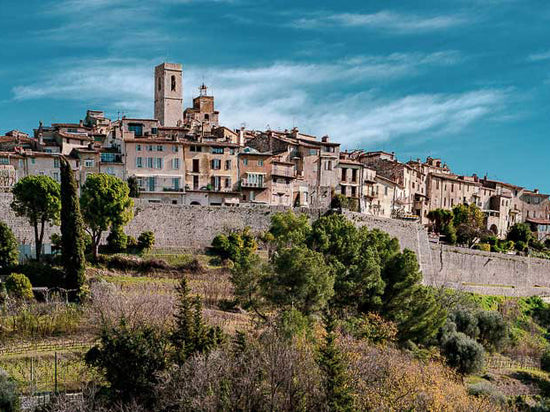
(333, 366)
(191, 334)
(72, 230)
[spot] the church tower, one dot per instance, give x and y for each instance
(169, 94)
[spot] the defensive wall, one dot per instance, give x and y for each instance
(194, 227)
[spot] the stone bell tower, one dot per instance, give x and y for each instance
(169, 94)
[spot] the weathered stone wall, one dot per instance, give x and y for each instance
(489, 273)
(194, 227)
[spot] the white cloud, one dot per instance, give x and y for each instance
(535, 57)
(383, 20)
(282, 95)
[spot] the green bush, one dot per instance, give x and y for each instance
(485, 247)
(9, 252)
(131, 242)
(449, 232)
(117, 239)
(463, 353)
(9, 398)
(492, 329)
(545, 361)
(146, 240)
(465, 322)
(19, 286)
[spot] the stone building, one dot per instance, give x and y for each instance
(169, 94)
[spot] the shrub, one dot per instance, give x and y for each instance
(131, 242)
(146, 240)
(545, 361)
(8, 246)
(463, 353)
(492, 329)
(130, 359)
(339, 202)
(373, 328)
(466, 322)
(9, 399)
(520, 232)
(485, 247)
(117, 239)
(19, 286)
(449, 232)
(40, 274)
(520, 246)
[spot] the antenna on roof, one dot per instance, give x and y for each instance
(202, 90)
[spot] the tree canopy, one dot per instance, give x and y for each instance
(9, 252)
(105, 202)
(38, 199)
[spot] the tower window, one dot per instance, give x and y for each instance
(173, 83)
(207, 117)
(158, 83)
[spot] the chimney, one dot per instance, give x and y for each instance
(241, 136)
(81, 123)
(325, 139)
(536, 191)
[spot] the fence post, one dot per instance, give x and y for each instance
(55, 373)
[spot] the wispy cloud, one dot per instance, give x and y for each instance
(287, 94)
(535, 57)
(382, 20)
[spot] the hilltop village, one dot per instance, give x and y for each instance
(186, 157)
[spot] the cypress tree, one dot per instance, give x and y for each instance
(333, 365)
(72, 230)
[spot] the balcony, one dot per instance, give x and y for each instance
(253, 184)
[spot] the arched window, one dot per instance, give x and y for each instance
(206, 116)
(173, 83)
(158, 83)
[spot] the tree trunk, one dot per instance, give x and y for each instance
(37, 245)
(95, 244)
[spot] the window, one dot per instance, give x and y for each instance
(149, 147)
(328, 165)
(33, 160)
(215, 164)
(137, 128)
(176, 183)
(154, 130)
(56, 162)
(172, 83)
(260, 162)
(195, 149)
(139, 161)
(158, 163)
(206, 116)
(56, 176)
(150, 162)
(195, 165)
(216, 182)
(312, 152)
(175, 163)
(159, 83)
(217, 150)
(89, 162)
(138, 148)
(160, 148)
(227, 182)
(175, 149)
(252, 195)
(245, 162)
(386, 190)
(228, 164)
(344, 173)
(343, 190)
(354, 175)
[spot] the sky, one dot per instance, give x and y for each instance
(467, 81)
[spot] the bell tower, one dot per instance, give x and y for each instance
(169, 94)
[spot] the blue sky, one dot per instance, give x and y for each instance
(465, 80)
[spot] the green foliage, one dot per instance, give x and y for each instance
(520, 233)
(131, 242)
(190, 334)
(105, 203)
(19, 286)
(117, 239)
(146, 240)
(130, 359)
(133, 186)
(440, 218)
(334, 369)
(545, 361)
(9, 252)
(339, 201)
(469, 222)
(40, 274)
(485, 247)
(301, 279)
(9, 398)
(293, 323)
(236, 246)
(72, 230)
(38, 199)
(492, 329)
(450, 234)
(466, 322)
(247, 276)
(288, 229)
(351, 254)
(463, 353)
(371, 327)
